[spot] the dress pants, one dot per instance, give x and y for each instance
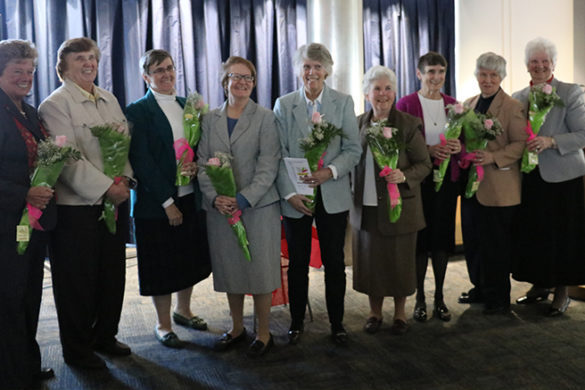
(495, 253)
(470, 219)
(21, 284)
(88, 269)
(331, 232)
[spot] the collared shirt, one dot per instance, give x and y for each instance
(547, 81)
(93, 97)
(314, 105)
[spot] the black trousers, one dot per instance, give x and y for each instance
(470, 216)
(88, 269)
(496, 253)
(21, 283)
(331, 231)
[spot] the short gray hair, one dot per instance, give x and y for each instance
(16, 50)
(491, 61)
(540, 44)
(314, 52)
(378, 72)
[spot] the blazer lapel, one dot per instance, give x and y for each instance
(496, 105)
(244, 121)
(161, 124)
(219, 126)
(328, 106)
(300, 113)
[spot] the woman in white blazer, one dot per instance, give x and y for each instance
(247, 132)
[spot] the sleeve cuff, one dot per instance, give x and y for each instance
(168, 202)
(242, 201)
(333, 170)
(287, 197)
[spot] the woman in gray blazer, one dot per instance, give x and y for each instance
(247, 132)
(549, 244)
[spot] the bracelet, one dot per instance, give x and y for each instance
(553, 143)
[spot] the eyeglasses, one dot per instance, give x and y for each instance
(161, 70)
(238, 77)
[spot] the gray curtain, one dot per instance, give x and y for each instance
(398, 32)
(199, 34)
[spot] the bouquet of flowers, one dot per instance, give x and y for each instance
(194, 109)
(51, 157)
(478, 132)
(315, 146)
(115, 145)
(457, 116)
(541, 99)
(385, 146)
(219, 171)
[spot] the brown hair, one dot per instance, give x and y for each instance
(75, 45)
(15, 50)
(153, 57)
(232, 61)
(430, 59)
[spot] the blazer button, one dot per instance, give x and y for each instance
(379, 198)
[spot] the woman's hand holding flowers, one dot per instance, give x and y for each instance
(483, 157)
(539, 143)
(298, 202)
(39, 196)
(226, 205)
(318, 177)
(395, 177)
(189, 169)
(118, 192)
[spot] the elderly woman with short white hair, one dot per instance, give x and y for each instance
(293, 112)
(549, 247)
(384, 252)
(491, 210)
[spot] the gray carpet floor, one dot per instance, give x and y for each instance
(522, 350)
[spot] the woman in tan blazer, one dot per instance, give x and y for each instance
(384, 252)
(498, 195)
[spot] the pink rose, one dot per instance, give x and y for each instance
(488, 123)
(547, 88)
(60, 140)
(200, 104)
(459, 108)
(214, 161)
(316, 118)
(387, 132)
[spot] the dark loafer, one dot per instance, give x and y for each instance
(472, 296)
(339, 336)
(372, 325)
(420, 312)
(294, 336)
(531, 299)
(399, 327)
(170, 339)
(258, 348)
(441, 312)
(194, 322)
(116, 348)
(555, 312)
(44, 374)
(226, 341)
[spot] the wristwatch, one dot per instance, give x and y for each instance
(553, 143)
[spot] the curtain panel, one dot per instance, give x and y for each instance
(398, 32)
(199, 34)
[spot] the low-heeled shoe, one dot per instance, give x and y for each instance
(194, 322)
(294, 336)
(170, 339)
(472, 296)
(399, 327)
(44, 374)
(339, 336)
(441, 312)
(555, 312)
(258, 348)
(420, 312)
(116, 348)
(226, 341)
(372, 325)
(531, 299)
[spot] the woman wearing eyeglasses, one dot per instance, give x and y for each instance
(247, 132)
(170, 226)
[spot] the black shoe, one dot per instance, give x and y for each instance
(529, 299)
(441, 312)
(399, 327)
(555, 312)
(472, 296)
(420, 312)
(372, 325)
(258, 348)
(194, 322)
(227, 341)
(294, 334)
(491, 310)
(90, 361)
(44, 374)
(116, 348)
(339, 336)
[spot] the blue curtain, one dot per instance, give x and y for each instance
(398, 32)
(199, 34)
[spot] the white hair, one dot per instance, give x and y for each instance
(540, 44)
(378, 72)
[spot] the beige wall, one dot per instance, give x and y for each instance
(504, 27)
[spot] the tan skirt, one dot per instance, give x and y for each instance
(383, 265)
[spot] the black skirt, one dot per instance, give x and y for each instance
(439, 209)
(172, 258)
(549, 233)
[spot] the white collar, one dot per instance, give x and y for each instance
(318, 100)
(163, 97)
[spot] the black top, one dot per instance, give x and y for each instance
(483, 104)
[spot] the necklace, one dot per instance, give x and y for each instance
(429, 109)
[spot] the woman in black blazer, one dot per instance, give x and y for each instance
(171, 237)
(21, 278)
